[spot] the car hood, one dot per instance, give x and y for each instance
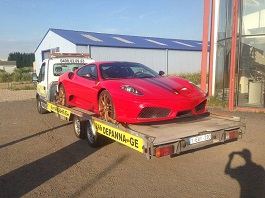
(158, 88)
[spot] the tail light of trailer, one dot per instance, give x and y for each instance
(163, 151)
(232, 134)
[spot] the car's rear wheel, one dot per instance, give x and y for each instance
(62, 96)
(106, 107)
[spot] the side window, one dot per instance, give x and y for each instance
(90, 69)
(42, 73)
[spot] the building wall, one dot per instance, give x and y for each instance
(155, 59)
(51, 41)
(8, 68)
(169, 61)
(184, 61)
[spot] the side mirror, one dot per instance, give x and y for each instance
(161, 73)
(34, 77)
(89, 76)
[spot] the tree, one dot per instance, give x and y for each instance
(22, 59)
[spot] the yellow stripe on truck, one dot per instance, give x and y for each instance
(120, 136)
(61, 111)
(41, 89)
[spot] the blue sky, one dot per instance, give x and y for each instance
(23, 24)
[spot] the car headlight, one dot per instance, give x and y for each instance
(131, 90)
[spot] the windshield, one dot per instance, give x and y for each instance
(61, 68)
(126, 70)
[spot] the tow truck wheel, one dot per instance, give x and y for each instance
(41, 110)
(79, 127)
(94, 139)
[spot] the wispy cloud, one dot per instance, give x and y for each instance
(110, 30)
(145, 14)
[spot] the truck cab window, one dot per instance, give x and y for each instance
(42, 73)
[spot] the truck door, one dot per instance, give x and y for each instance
(42, 82)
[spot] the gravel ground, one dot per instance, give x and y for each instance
(8, 95)
(41, 157)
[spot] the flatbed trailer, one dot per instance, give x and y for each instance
(155, 139)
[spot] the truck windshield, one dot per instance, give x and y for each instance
(61, 68)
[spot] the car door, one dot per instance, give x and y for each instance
(85, 84)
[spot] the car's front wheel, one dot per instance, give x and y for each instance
(106, 107)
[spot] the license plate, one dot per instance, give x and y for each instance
(200, 138)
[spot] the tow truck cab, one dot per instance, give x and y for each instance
(50, 71)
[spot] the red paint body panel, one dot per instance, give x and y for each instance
(175, 94)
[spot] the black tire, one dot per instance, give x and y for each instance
(79, 127)
(94, 139)
(40, 109)
(106, 107)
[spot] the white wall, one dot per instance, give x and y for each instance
(177, 61)
(9, 69)
(52, 40)
(184, 61)
(154, 59)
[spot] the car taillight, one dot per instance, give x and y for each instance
(232, 134)
(163, 151)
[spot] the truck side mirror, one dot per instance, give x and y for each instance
(34, 77)
(161, 73)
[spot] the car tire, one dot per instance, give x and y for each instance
(40, 109)
(79, 127)
(106, 107)
(62, 96)
(94, 139)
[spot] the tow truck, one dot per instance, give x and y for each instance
(154, 139)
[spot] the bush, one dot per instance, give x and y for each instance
(19, 75)
(26, 77)
(16, 75)
(4, 76)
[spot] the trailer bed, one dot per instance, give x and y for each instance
(162, 138)
(174, 130)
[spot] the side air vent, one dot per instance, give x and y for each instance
(153, 112)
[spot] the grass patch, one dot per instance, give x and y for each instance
(25, 87)
(216, 101)
(194, 77)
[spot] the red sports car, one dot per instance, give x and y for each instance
(129, 92)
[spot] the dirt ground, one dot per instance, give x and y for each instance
(41, 157)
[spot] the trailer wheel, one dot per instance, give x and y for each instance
(94, 139)
(40, 109)
(79, 127)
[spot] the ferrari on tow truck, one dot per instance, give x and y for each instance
(154, 139)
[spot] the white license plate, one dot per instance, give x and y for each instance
(200, 138)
